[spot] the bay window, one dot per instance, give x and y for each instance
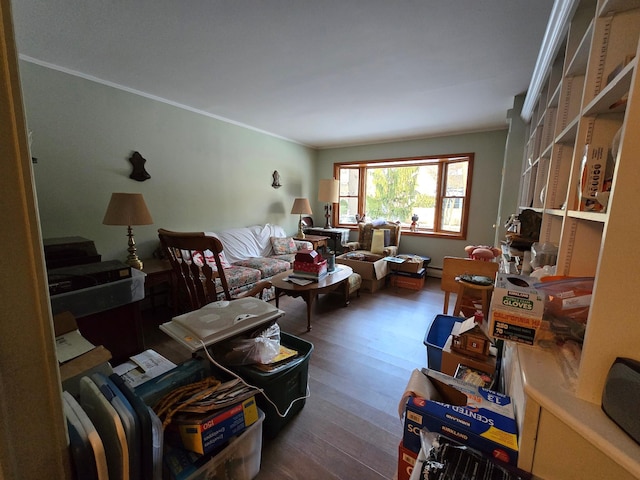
(427, 195)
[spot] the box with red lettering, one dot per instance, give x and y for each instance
(471, 415)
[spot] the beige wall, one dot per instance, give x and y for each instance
(205, 174)
(489, 148)
(33, 435)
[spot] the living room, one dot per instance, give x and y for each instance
(205, 174)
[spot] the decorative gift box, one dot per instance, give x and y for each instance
(308, 256)
(318, 269)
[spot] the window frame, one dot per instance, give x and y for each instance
(442, 161)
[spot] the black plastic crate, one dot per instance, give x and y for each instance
(282, 386)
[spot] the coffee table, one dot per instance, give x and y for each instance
(332, 281)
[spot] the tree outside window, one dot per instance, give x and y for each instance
(436, 190)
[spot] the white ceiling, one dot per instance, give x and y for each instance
(322, 73)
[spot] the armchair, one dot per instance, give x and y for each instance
(365, 237)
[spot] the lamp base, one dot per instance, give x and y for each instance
(132, 258)
(300, 233)
(134, 262)
(327, 216)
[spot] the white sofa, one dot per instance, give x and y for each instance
(256, 253)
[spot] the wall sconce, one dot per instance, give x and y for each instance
(276, 179)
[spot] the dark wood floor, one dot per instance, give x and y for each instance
(362, 358)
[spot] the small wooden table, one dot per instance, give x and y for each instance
(159, 273)
(317, 241)
(339, 277)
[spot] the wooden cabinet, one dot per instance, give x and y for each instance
(590, 92)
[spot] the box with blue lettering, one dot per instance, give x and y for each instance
(471, 415)
(516, 310)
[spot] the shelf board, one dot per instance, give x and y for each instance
(568, 135)
(613, 92)
(591, 216)
(609, 7)
(535, 209)
(554, 99)
(545, 383)
(556, 212)
(578, 64)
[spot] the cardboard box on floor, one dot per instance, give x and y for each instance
(406, 462)
(373, 270)
(95, 359)
(411, 263)
(474, 416)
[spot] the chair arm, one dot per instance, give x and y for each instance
(257, 290)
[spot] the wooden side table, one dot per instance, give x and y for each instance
(339, 236)
(159, 273)
(317, 241)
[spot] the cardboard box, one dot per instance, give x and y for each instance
(451, 360)
(203, 433)
(372, 267)
(474, 416)
(411, 282)
(406, 462)
(93, 358)
(411, 263)
(373, 285)
(596, 175)
(516, 309)
(237, 460)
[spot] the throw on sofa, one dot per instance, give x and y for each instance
(365, 238)
(256, 253)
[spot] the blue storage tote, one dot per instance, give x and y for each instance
(436, 338)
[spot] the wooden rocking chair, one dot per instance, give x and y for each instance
(199, 280)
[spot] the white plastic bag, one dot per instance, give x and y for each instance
(259, 348)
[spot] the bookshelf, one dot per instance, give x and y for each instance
(590, 92)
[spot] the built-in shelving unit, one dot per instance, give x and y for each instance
(590, 94)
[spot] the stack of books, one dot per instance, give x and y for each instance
(310, 265)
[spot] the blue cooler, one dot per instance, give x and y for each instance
(436, 338)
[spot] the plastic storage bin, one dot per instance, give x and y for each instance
(239, 460)
(436, 338)
(100, 298)
(283, 386)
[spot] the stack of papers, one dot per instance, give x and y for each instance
(143, 367)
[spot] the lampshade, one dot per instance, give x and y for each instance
(328, 190)
(127, 209)
(301, 206)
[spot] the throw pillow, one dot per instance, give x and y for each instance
(283, 245)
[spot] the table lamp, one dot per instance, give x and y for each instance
(128, 209)
(328, 193)
(301, 207)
